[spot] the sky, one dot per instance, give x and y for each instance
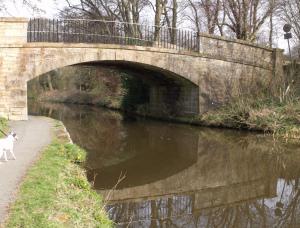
(50, 8)
(15, 8)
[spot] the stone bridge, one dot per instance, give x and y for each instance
(220, 68)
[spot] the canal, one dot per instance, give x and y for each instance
(159, 174)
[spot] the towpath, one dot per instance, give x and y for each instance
(34, 135)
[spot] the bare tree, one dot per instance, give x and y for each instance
(26, 3)
(290, 13)
(157, 20)
(272, 2)
(242, 18)
(1, 5)
(33, 6)
(166, 13)
(119, 10)
(205, 13)
(110, 10)
(246, 17)
(170, 13)
(194, 15)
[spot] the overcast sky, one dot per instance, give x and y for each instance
(50, 8)
(16, 8)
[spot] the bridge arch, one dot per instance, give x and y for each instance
(56, 56)
(165, 92)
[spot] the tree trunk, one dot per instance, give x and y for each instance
(49, 82)
(271, 29)
(158, 12)
(174, 22)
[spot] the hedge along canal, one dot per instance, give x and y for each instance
(56, 192)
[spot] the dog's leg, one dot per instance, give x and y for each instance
(5, 155)
(12, 153)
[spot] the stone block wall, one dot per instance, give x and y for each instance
(14, 90)
(220, 81)
(236, 50)
(176, 101)
(13, 30)
(13, 87)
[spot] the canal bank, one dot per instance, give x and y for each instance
(268, 115)
(54, 191)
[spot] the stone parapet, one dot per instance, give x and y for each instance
(13, 30)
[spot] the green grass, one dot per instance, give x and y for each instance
(56, 193)
(3, 126)
(268, 115)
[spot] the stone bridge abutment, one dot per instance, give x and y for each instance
(221, 69)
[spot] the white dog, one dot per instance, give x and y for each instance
(7, 145)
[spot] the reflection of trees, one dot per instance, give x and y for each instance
(178, 212)
(261, 212)
(152, 213)
(289, 212)
(100, 132)
(247, 214)
(283, 160)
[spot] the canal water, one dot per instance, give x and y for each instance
(159, 174)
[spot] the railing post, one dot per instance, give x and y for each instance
(38, 30)
(57, 27)
(53, 29)
(278, 74)
(63, 31)
(198, 42)
(29, 33)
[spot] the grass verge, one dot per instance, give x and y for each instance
(3, 126)
(56, 193)
(279, 118)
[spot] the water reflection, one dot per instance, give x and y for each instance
(182, 176)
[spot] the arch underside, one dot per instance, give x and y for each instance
(169, 92)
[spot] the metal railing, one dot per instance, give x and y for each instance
(110, 32)
(158, 209)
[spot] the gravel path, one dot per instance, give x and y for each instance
(34, 135)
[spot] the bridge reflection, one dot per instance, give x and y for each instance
(221, 166)
(231, 181)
